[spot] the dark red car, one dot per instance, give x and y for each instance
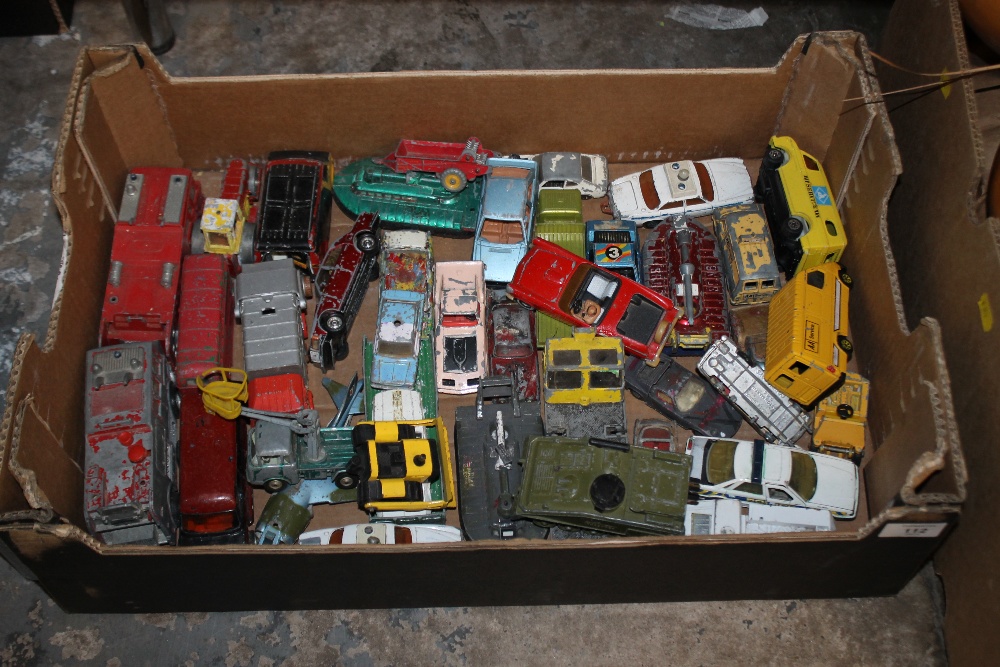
(293, 216)
(681, 263)
(341, 283)
(216, 505)
(160, 208)
(455, 163)
(510, 335)
(581, 293)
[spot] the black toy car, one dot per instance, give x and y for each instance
(676, 392)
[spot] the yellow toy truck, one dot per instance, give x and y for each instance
(750, 268)
(839, 424)
(584, 386)
(807, 344)
(804, 220)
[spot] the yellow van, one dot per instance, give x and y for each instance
(804, 220)
(807, 344)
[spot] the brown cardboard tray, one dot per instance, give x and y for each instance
(124, 111)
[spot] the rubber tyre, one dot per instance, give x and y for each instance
(845, 344)
(342, 352)
(345, 480)
(326, 318)
(792, 228)
(774, 158)
(845, 411)
(846, 278)
(275, 485)
(366, 242)
(453, 180)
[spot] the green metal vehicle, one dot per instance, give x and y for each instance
(604, 485)
(559, 218)
(412, 199)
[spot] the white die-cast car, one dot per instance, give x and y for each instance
(566, 170)
(753, 471)
(685, 187)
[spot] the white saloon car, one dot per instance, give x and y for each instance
(566, 170)
(684, 187)
(753, 471)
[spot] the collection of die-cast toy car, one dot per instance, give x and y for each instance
(199, 392)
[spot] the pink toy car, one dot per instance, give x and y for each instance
(460, 331)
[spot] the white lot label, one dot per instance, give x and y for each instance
(912, 529)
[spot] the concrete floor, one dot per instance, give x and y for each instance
(225, 37)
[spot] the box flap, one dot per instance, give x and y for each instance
(948, 264)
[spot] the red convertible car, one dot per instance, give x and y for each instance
(581, 293)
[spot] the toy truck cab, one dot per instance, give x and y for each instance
(583, 386)
(159, 209)
(225, 217)
(293, 217)
(839, 422)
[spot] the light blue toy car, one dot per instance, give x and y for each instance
(397, 339)
(505, 217)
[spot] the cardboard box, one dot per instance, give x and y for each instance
(125, 111)
(949, 265)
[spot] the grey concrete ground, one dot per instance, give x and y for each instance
(257, 37)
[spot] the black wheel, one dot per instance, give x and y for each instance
(332, 321)
(275, 485)
(253, 181)
(345, 480)
(245, 255)
(342, 351)
(366, 242)
(197, 242)
(845, 344)
(774, 158)
(845, 411)
(361, 434)
(846, 278)
(792, 228)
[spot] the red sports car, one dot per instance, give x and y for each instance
(574, 290)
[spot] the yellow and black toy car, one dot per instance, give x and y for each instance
(804, 220)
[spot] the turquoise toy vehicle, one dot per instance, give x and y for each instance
(411, 199)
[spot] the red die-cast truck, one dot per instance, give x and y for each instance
(160, 207)
(455, 163)
(130, 470)
(583, 294)
(215, 501)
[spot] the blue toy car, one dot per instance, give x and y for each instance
(397, 339)
(505, 217)
(614, 245)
